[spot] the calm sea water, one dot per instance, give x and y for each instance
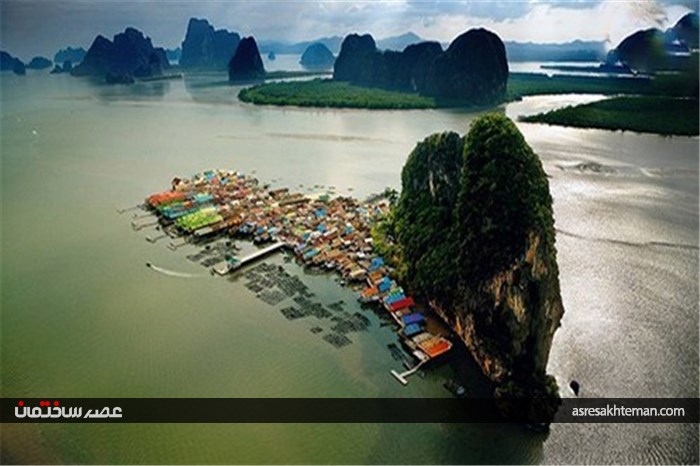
(83, 317)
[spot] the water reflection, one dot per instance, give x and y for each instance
(145, 91)
(210, 88)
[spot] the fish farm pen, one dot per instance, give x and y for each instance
(323, 232)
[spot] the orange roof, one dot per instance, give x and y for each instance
(165, 196)
(435, 346)
(367, 292)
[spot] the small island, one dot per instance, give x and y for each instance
(74, 55)
(207, 48)
(473, 235)
(39, 63)
(655, 71)
(664, 100)
(328, 93)
(470, 238)
(672, 116)
(10, 63)
(473, 71)
(317, 56)
(128, 56)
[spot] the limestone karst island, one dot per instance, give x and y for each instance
(349, 232)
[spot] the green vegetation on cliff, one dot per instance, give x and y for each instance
(504, 197)
(473, 233)
(424, 216)
(662, 115)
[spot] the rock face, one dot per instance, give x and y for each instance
(359, 62)
(356, 60)
(474, 69)
(687, 30)
(475, 231)
(317, 56)
(39, 63)
(413, 66)
(641, 51)
(652, 50)
(73, 55)
(576, 50)
(205, 47)
(10, 63)
(246, 64)
(129, 55)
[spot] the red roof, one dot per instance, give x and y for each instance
(401, 304)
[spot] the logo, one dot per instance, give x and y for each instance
(54, 410)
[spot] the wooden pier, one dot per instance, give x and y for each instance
(401, 377)
(228, 267)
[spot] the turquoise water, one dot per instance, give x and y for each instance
(82, 316)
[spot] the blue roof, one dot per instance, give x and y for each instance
(384, 286)
(412, 329)
(394, 298)
(413, 318)
(376, 263)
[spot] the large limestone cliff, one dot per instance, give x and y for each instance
(474, 232)
(473, 69)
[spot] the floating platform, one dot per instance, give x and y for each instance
(228, 267)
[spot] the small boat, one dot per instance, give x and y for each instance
(455, 388)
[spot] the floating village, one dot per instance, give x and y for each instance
(319, 231)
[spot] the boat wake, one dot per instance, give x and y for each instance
(170, 273)
(661, 244)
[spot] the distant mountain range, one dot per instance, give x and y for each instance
(333, 43)
(576, 50)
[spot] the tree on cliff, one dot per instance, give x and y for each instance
(424, 215)
(475, 227)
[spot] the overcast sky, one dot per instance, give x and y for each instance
(40, 27)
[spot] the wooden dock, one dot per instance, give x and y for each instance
(401, 377)
(227, 267)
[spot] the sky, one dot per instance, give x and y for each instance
(40, 27)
